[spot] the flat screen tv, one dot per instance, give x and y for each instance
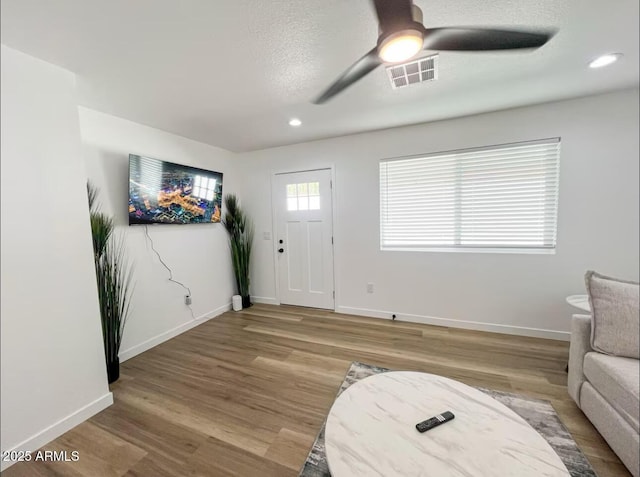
(167, 193)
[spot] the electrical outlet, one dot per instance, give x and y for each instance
(369, 287)
(187, 300)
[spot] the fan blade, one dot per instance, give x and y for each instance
(393, 15)
(479, 39)
(360, 68)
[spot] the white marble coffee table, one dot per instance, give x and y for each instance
(371, 431)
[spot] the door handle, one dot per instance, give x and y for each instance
(280, 250)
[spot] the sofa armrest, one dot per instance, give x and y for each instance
(579, 346)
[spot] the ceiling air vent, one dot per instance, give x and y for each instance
(418, 71)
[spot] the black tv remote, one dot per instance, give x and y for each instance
(434, 421)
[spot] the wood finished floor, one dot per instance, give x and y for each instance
(245, 394)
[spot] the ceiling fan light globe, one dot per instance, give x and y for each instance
(401, 46)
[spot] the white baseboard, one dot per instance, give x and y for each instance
(167, 335)
(48, 434)
(264, 300)
(469, 325)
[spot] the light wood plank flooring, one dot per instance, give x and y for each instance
(245, 394)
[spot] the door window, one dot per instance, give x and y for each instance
(303, 196)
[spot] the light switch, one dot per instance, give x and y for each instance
(266, 235)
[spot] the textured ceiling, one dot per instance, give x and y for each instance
(232, 72)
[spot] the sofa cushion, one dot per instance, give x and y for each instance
(615, 307)
(618, 380)
(619, 434)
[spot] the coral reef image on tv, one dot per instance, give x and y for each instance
(167, 193)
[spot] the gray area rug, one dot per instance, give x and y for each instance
(538, 413)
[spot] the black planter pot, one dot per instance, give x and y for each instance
(113, 370)
(246, 301)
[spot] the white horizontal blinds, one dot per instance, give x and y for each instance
(492, 197)
(418, 202)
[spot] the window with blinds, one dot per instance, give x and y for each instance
(497, 198)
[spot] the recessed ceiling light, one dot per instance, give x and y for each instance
(605, 60)
(295, 122)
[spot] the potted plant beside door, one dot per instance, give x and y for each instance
(240, 230)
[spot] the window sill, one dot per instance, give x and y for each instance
(523, 251)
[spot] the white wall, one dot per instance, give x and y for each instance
(198, 254)
(524, 294)
(53, 369)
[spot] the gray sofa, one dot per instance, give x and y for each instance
(606, 388)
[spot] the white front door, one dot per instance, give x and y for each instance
(304, 238)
